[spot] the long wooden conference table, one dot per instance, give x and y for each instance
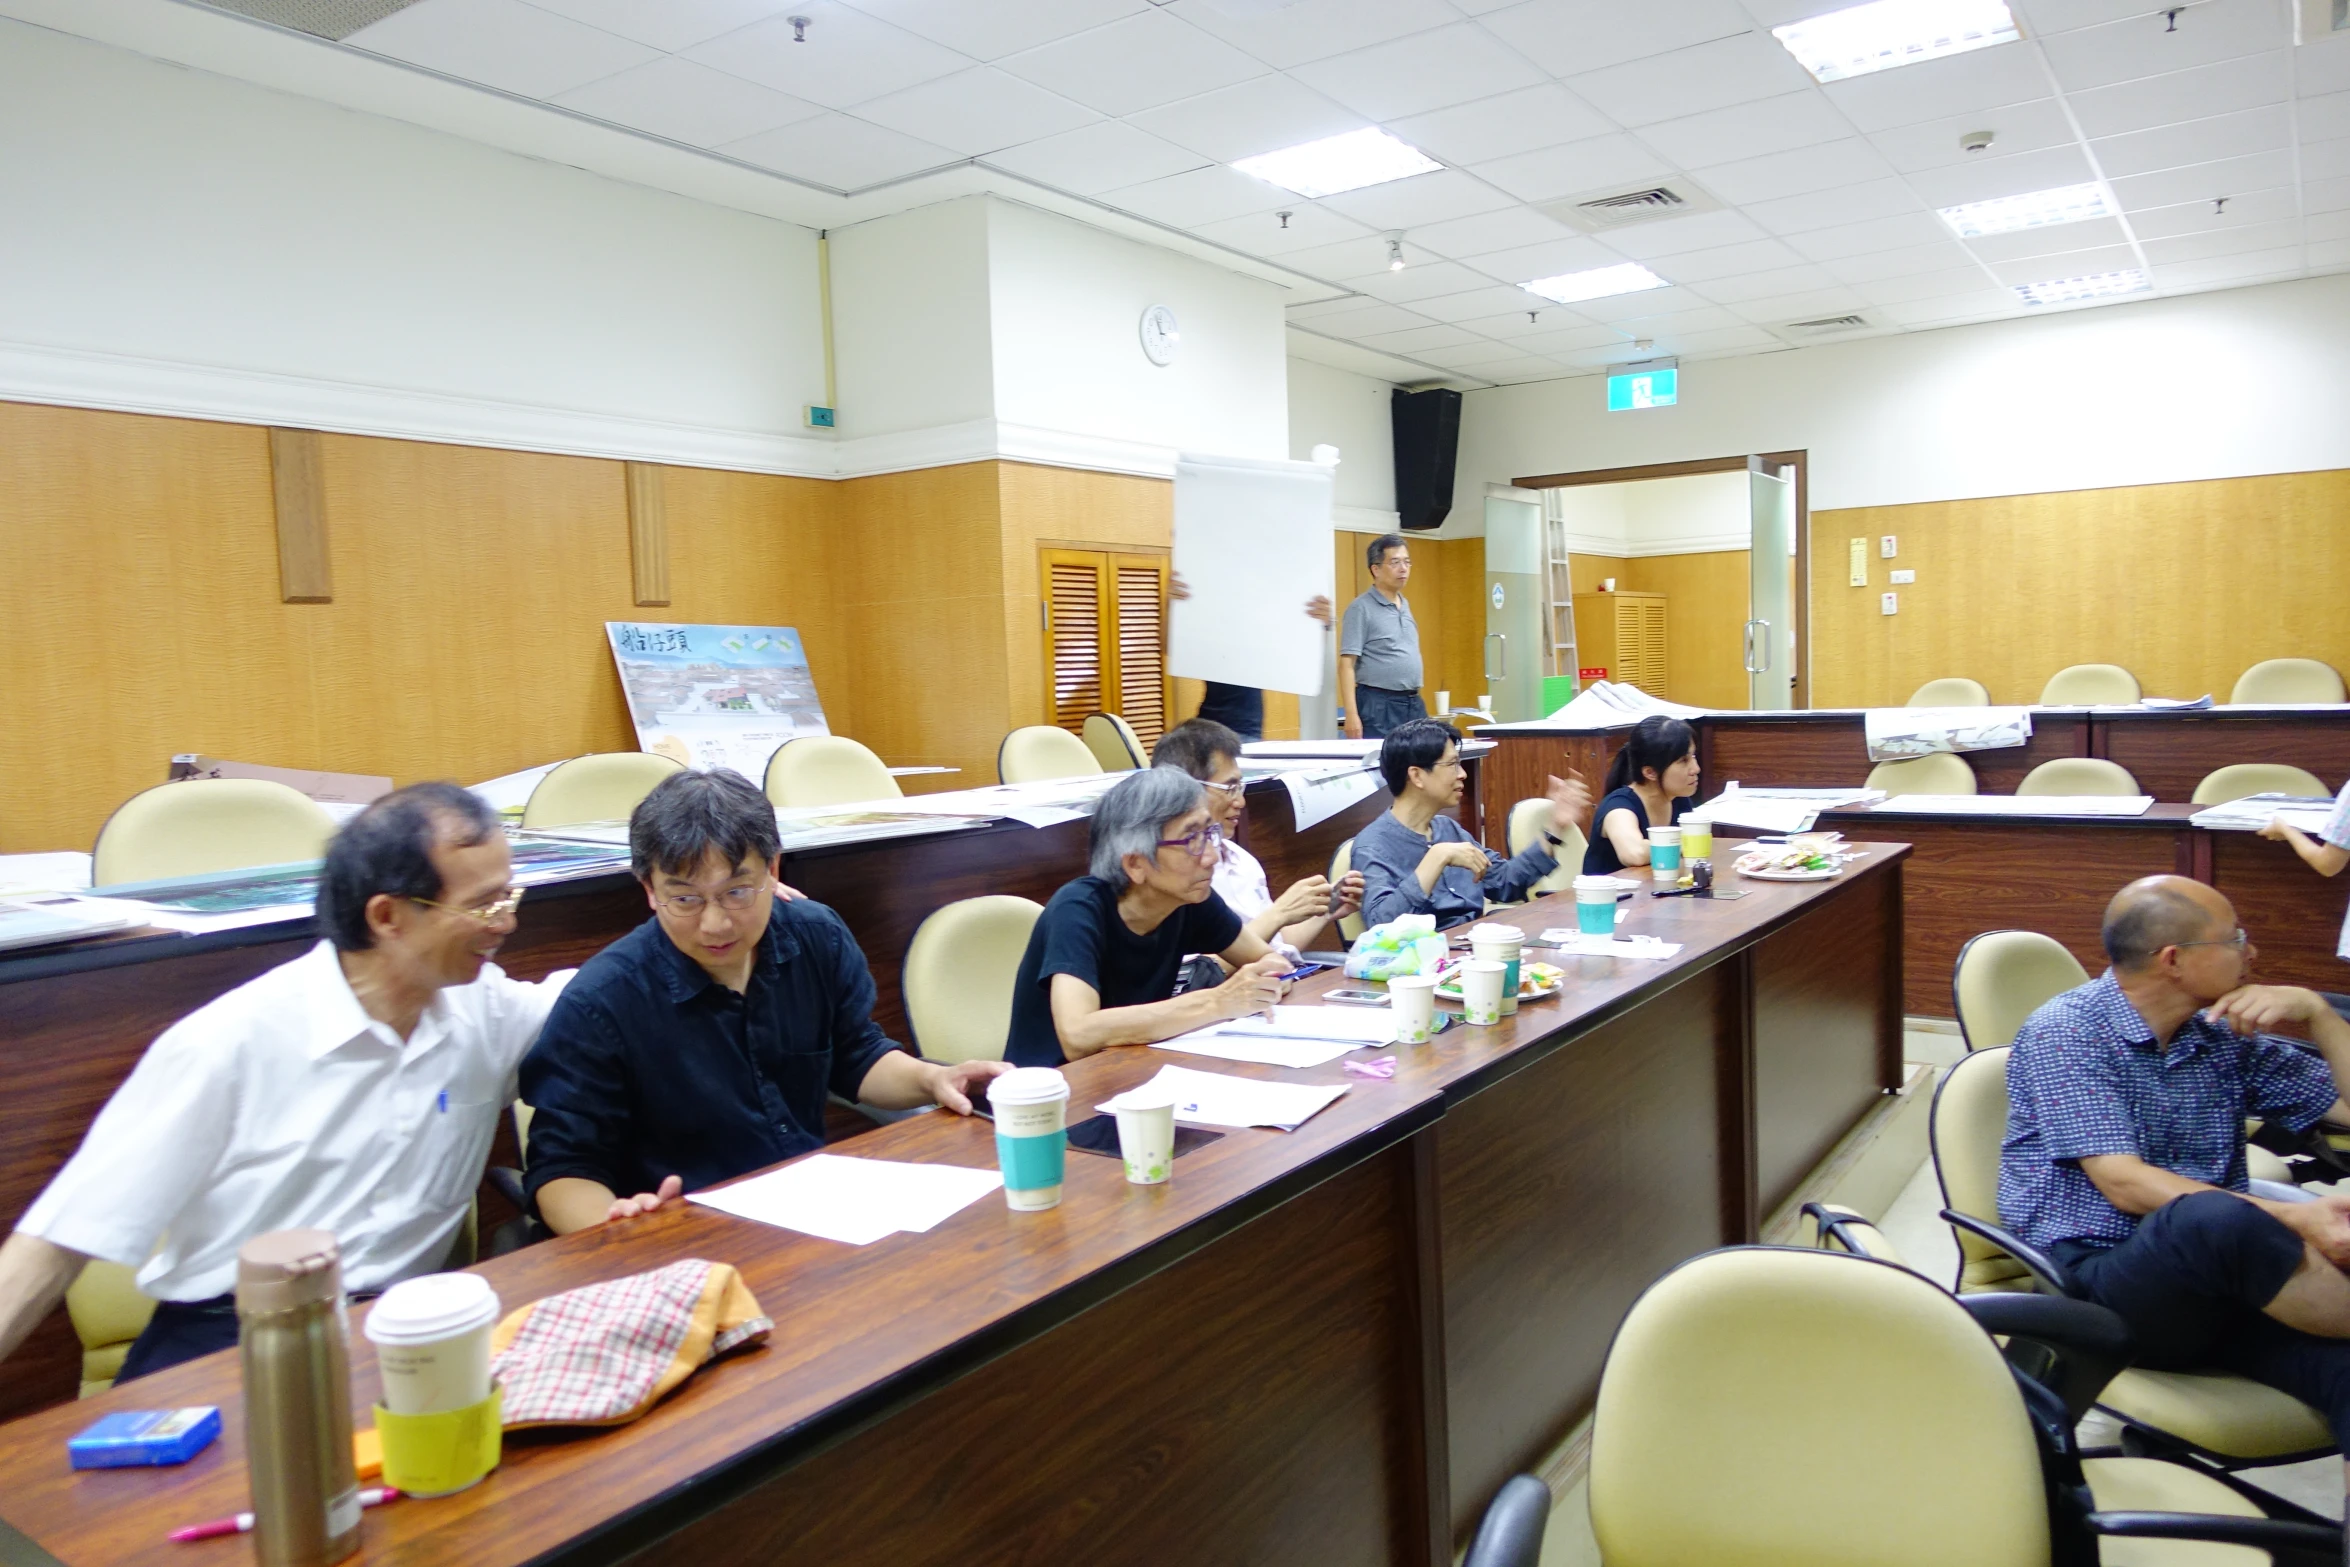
(1330, 1345)
(2048, 873)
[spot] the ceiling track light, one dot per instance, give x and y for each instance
(1394, 254)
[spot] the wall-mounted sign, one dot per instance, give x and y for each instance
(1649, 383)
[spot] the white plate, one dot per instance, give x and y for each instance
(1816, 875)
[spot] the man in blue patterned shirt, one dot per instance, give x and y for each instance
(2124, 1155)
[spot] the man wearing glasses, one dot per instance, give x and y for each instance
(701, 1045)
(1102, 962)
(2124, 1154)
(354, 1089)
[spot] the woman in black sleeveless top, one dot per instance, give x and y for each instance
(1650, 784)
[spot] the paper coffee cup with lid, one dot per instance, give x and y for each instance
(1031, 1109)
(1595, 905)
(439, 1417)
(1505, 945)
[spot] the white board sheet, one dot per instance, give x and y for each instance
(1252, 544)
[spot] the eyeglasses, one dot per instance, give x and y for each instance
(1202, 843)
(1230, 791)
(734, 900)
(489, 913)
(2239, 941)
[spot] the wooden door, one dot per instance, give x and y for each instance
(1105, 638)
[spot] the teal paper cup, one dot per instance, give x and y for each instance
(1595, 905)
(1031, 1109)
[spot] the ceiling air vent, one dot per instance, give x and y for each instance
(2316, 19)
(336, 19)
(1601, 211)
(1827, 326)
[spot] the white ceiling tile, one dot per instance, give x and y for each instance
(2325, 196)
(2246, 82)
(1578, 168)
(1314, 310)
(1549, 259)
(501, 43)
(1199, 196)
(1425, 71)
(2331, 255)
(1489, 231)
(1909, 261)
(1479, 303)
(1697, 231)
(1984, 304)
(1701, 266)
(2195, 217)
(1135, 63)
(1733, 70)
(1549, 321)
(1264, 234)
(1646, 302)
(1496, 127)
(2324, 117)
(848, 58)
(2042, 17)
(1349, 258)
(1821, 209)
(2325, 160)
(1478, 351)
(2203, 181)
(1834, 300)
(1566, 36)
(1763, 283)
(1423, 280)
(2049, 239)
(975, 111)
(2197, 141)
(2016, 127)
(2323, 67)
(1519, 372)
(687, 102)
(1367, 318)
(1263, 114)
(1676, 323)
(1859, 239)
(2322, 227)
(1720, 343)
(2224, 242)
(1571, 338)
(1413, 340)
(1423, 198)
(2019, 174)
(667, 25)
(1958, 84)
(2259, 266)
(2074, 263)
(1800, 119)
(989, 32)
(1305, 30)
(1097, 158)
(2143, 46)
(1830, 165)
(835, 150)
(1923, 285)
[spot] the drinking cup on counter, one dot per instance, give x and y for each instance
(1481, 991)
(439, 1417)
(1146, 1133)
(1412, 999)
(1697, 840)
(1505, 945)
(1664, 854)
(1031, 1109)
(1595, 905)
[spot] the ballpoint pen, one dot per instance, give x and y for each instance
(242, 1523)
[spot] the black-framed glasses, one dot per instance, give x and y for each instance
(489, 913)
(734, 900)
(1202, 843)
(2239, 941)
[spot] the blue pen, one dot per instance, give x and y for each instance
(444, 1101)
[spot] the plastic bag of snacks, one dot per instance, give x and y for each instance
(1407, 944)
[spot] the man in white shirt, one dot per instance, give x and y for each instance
(355, 1089)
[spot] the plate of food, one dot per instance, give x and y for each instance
(1790, 862)
(1535, 981)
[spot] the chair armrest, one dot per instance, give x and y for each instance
(2270, 1534)
(1851, 1230)
(2043, 1267)
(2073, 1348)
(507, 1183)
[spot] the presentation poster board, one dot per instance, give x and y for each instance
(1252, 545)
(716, 696)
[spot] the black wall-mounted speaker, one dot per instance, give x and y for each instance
(1427, 439)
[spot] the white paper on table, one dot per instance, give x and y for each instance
(1348, 1025)
(1605, 704)
(2019, 804)
(1315, 797)
(1275, 750)
(1214, 1099)
(1295, 1054)
(63, 870)
(1582, 946)
(2256, 811)
(1252, 544)
(854, 1201)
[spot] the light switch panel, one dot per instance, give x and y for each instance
(1888, 546)
(1860, 563)
(1899, 577)
(1890, 604)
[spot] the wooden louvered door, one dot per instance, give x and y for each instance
(1105, 638)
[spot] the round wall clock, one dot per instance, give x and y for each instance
(1160, 335)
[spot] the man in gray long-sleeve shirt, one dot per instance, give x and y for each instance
(1417, 860)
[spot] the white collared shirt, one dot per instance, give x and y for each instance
(1240, 882)
(283, 1105)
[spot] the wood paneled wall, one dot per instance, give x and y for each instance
(2186, 585)
(1447, 595)
(1706, 599)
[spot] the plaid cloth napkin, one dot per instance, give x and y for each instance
(604, 1354)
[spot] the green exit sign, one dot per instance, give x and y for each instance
(1652, 383)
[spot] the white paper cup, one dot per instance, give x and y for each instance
(1481, 991)
(1146, 1134)
(1031, 1109)
(1595, 905)
(1664, 853)
(432, 1342)
(1502, 944)
(1697, 841)
(1412, 1000)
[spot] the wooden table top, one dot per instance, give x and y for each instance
(2316, 711)
(861, 1331)
(2167, 815)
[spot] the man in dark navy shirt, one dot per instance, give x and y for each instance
(701, 1045)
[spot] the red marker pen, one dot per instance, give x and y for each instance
(242, 1523)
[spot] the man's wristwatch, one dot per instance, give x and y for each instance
(1552, 838)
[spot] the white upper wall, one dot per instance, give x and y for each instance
(183, 243)
(2218, 385)
(910, 333)
(1687, 514)
(1332, 407)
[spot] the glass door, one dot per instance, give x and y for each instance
(1770, 624)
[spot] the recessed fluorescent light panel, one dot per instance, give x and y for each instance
(1340, 163)
(2065, 204)
(1887, 33)
(1598, 283)
(2065, 290)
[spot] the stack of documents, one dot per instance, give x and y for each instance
(1296, 1036)
(2019, 804)
(1607, 704)
(1777, 810)
(1576, 942)
(1896, 732)
(855, 1201)
(45, 921)
(2256, 811)
(1213, 1099)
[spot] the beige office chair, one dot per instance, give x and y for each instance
(2248, 778)
(2090, 685)
(603, 787)
(2003, 977)
(1834, 1411)
(958, 975)
(2288, 680)
(827, 770)
(2226, 1420)
(1114, 743)
(108, 1311)
(2078, 775)
(1528, 819)
(208, 824)
(1937, 772)
(1040, 751)
(1950, 691)
(1350, 926)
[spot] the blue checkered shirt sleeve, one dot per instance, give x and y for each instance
(2287, 1084)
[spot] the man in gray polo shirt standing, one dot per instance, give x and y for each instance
(1379, 648)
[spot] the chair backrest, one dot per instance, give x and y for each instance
(958, 976)
(1341, 861)
(1937, 772)
(1950, 691)
(603, 787)
(1510, 1535)
(1114, 743)
(2078, 775)
(2090, 685)
(1965, 1128)
(2003, 977)
(108, 1311)
(1040, 751)
(2288, 680)
(1528, 819)
(208, 824)
(1746, 1376)
(827, 770)
(2234, 783)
